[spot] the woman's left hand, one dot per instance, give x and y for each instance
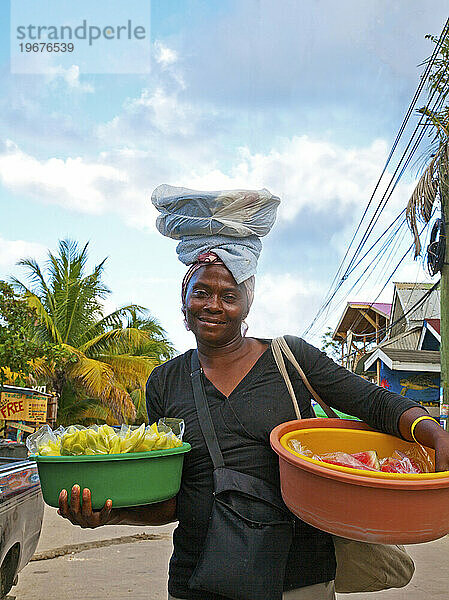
(428, 433)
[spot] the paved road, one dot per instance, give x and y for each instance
(95, 566)
(136, 569)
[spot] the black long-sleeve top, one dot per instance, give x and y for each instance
(243, 422)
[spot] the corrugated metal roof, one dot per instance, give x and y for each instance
(429, 309)
(406, 360)
(383, 307)
(407, 295)
(407, 341)
(412, 356)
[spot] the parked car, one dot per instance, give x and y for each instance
(21, 512)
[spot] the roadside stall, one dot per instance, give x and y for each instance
(23, 411)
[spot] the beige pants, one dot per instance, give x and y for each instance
(320, 591)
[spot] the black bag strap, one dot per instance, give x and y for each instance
(202, 409)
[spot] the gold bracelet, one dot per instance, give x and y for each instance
(415, 423)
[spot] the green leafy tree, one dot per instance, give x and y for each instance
(111, 355)
(18, 348)
(329, 345)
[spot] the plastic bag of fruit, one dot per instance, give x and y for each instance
(416, 460)
(77, 440)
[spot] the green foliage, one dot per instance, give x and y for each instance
(104, 357)
(438, 87)
(329, 345)
(15, 319)
(439, 76)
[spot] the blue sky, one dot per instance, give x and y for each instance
(305, 100)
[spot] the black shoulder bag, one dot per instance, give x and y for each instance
(250, 529)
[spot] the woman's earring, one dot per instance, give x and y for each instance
(244, 328)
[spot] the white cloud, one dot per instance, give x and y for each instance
(164, 55)
(73, 183)
(70, 76)
(12, 251)
(283, 304)
(307, 174)
(154, 114)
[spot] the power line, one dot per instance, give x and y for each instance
(428, 69)
(387, 282)
(403, 316)
(382, 203)
(409, 112)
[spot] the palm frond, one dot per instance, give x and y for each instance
(130, 371)
(138, 398)
(36, 276)
(44, 317)
(120, 403)
(94, 375)
(98, 380)
(116, 340)
(112, 320)
(88, 412)
(41, 368)
(421, 201)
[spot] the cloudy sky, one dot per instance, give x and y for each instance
(302, 97)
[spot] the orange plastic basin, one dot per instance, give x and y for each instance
(380, 508)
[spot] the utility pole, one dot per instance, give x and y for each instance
(434, 185)
(444, 282)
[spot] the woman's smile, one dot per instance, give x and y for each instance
(211, 321)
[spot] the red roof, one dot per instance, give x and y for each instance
(435, 324)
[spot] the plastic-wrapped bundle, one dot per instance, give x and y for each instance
(228, 222)
(235, 213)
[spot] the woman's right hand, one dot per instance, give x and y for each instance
(82, 514)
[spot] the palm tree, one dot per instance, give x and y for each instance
(432, 185)
(433, 189)
(104, 357)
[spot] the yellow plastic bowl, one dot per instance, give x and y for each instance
(332, 439)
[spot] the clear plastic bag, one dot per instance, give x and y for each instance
(77, 440)
(415, 460)
(236, 213)
(300, 449)
(345, 460)
(44, 441)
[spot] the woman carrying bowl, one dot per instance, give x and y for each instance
(247, 398)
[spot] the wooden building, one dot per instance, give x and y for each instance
(362, 325)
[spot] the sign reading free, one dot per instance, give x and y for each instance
(18, 407)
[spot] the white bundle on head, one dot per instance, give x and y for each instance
(228, 222)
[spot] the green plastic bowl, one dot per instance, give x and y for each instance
(128, 479)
